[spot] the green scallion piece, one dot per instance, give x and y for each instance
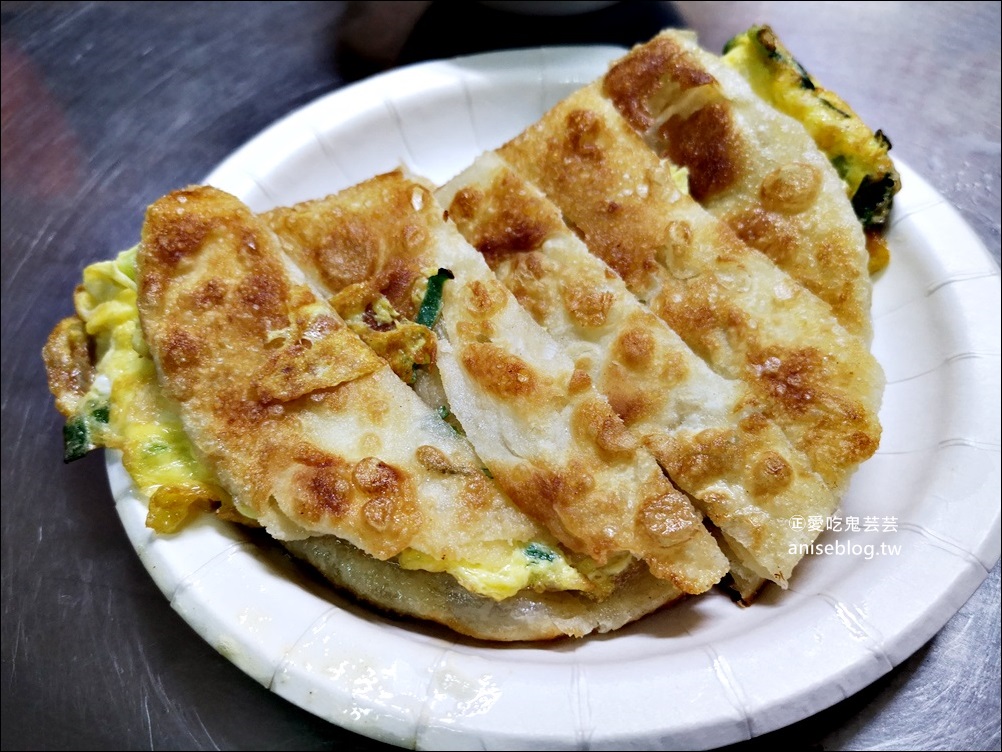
(539, 552)
(431, 306)
(76, 439)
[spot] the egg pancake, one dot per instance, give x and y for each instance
(704, 429)
(750, 165)
(316, 439)
(746, 317)
(552, 442)
(601, 369)
(106, 386)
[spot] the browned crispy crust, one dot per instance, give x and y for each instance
(258, 364)
(749, 165)
(736, 464)
(345, 242)
(572, 465)
(68, 364)
(316, 438)
(242, 348)
(267, 373)
(730, 303)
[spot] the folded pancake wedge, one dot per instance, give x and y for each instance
(551, 441)
(704, 430)
(315, 437)
(750, 165)
(731, 304)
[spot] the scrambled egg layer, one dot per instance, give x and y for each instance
(125, 409)
(858, 154)
(402, 344)
(505, 569)
(138, 419)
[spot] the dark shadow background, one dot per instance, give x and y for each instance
(372, 37)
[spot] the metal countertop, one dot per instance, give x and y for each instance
(107, 106)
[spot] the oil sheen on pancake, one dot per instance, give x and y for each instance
(548, 437)
(750, 165)
(318, 440)
(308, 426)
(704, 429)
(733, 306)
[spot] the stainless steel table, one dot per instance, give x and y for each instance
(106, 106)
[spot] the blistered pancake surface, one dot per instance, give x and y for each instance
(747, 318)
(704, 429)
(308, 428)
(552, 442)
(749, 165)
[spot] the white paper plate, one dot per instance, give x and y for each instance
(700, 675)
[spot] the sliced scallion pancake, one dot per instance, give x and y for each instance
(548, 437)
(746, 317)
(704, 429)
(316, 439)
(757, 169)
